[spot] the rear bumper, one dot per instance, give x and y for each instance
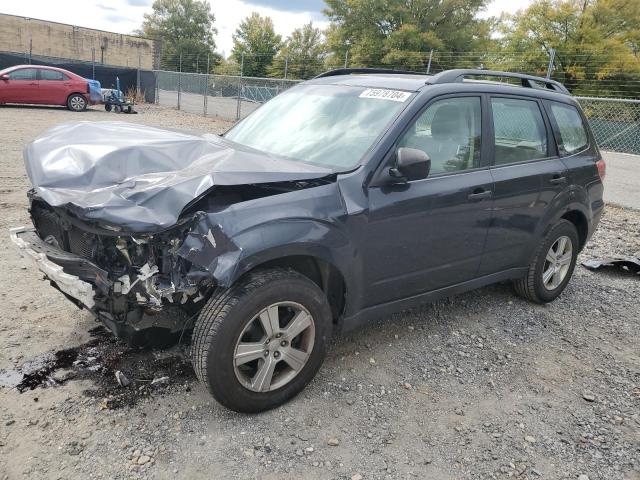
(75, 276)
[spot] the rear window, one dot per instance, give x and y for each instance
(51, 75)
(573, 136)
(23, 74)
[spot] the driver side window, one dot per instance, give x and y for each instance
(449, 132)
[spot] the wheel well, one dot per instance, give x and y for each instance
(320, 272)
(581, 224)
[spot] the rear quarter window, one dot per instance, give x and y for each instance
(573, 136)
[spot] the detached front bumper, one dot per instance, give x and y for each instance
(73, 275)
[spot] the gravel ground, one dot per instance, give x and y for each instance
(482, 385)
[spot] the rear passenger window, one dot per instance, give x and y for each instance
(520, 134)
(573, 136)
(51, 75)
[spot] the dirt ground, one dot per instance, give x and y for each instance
(480, 386)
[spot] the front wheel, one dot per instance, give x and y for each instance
(552, 265)
(260, 342)
(76, 103)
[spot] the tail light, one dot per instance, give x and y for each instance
(602, 168)
(88, 87)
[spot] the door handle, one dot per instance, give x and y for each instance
(558, 180)
(479, 194)
(67, 84)
(33, 83)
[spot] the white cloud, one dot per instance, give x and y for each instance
(496, 7)
(111, 15)
(229, 14)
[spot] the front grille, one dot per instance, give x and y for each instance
(48, 226)
(50, 229)
(81, 243)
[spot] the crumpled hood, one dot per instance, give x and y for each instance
(140, 178)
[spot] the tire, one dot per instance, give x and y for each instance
(534, 286)
(230, 319)
(76, 103)
(127, 109)
(117, 108)
(107, 107)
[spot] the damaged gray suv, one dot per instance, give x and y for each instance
(348, 197)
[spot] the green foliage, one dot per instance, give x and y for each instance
(302, 54)
(257, 40)
(400, 33)
(182, 27)
(596, 43)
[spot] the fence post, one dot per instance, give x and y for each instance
(30, 49)
(179, 81)
(552, 56)
(240, 86)
(138, 75)
(93, 63)
(429, 64)
(346, 58)
(206, 89)
(286, 66)
(156, 75)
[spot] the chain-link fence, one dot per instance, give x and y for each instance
(230, 97)
(615, 123)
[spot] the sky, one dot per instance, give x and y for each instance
(124, 16)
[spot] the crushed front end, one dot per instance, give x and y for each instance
(126, 281)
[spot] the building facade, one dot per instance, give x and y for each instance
(40, 37)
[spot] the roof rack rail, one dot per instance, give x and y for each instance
(529, 81)
(349, 71)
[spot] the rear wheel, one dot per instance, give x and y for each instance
(260, 342)
(76, 103)
(107, 107)
(552, 265)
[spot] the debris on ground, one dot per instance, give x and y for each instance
(628, 264)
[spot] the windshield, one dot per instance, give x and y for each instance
(326, 125)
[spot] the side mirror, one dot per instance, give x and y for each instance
(411, 164)
(4, 77)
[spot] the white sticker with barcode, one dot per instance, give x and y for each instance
(384, 94)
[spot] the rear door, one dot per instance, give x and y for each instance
(529, 179)
(55, 87)
(21, 87)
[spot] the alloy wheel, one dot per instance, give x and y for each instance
(557, 263)
(77, 103)
(274, 346)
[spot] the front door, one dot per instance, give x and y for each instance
(430, 233)
(21, 87)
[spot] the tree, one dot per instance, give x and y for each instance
(302, 55)
(400, 33)
(257, 42)
(596, 43)
(183, 27)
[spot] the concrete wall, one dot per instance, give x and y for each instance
(20, 34)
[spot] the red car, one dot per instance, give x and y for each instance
(35, 84)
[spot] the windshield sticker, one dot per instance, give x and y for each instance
(383, 94)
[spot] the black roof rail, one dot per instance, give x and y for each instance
(457, 75)
(349, 71)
